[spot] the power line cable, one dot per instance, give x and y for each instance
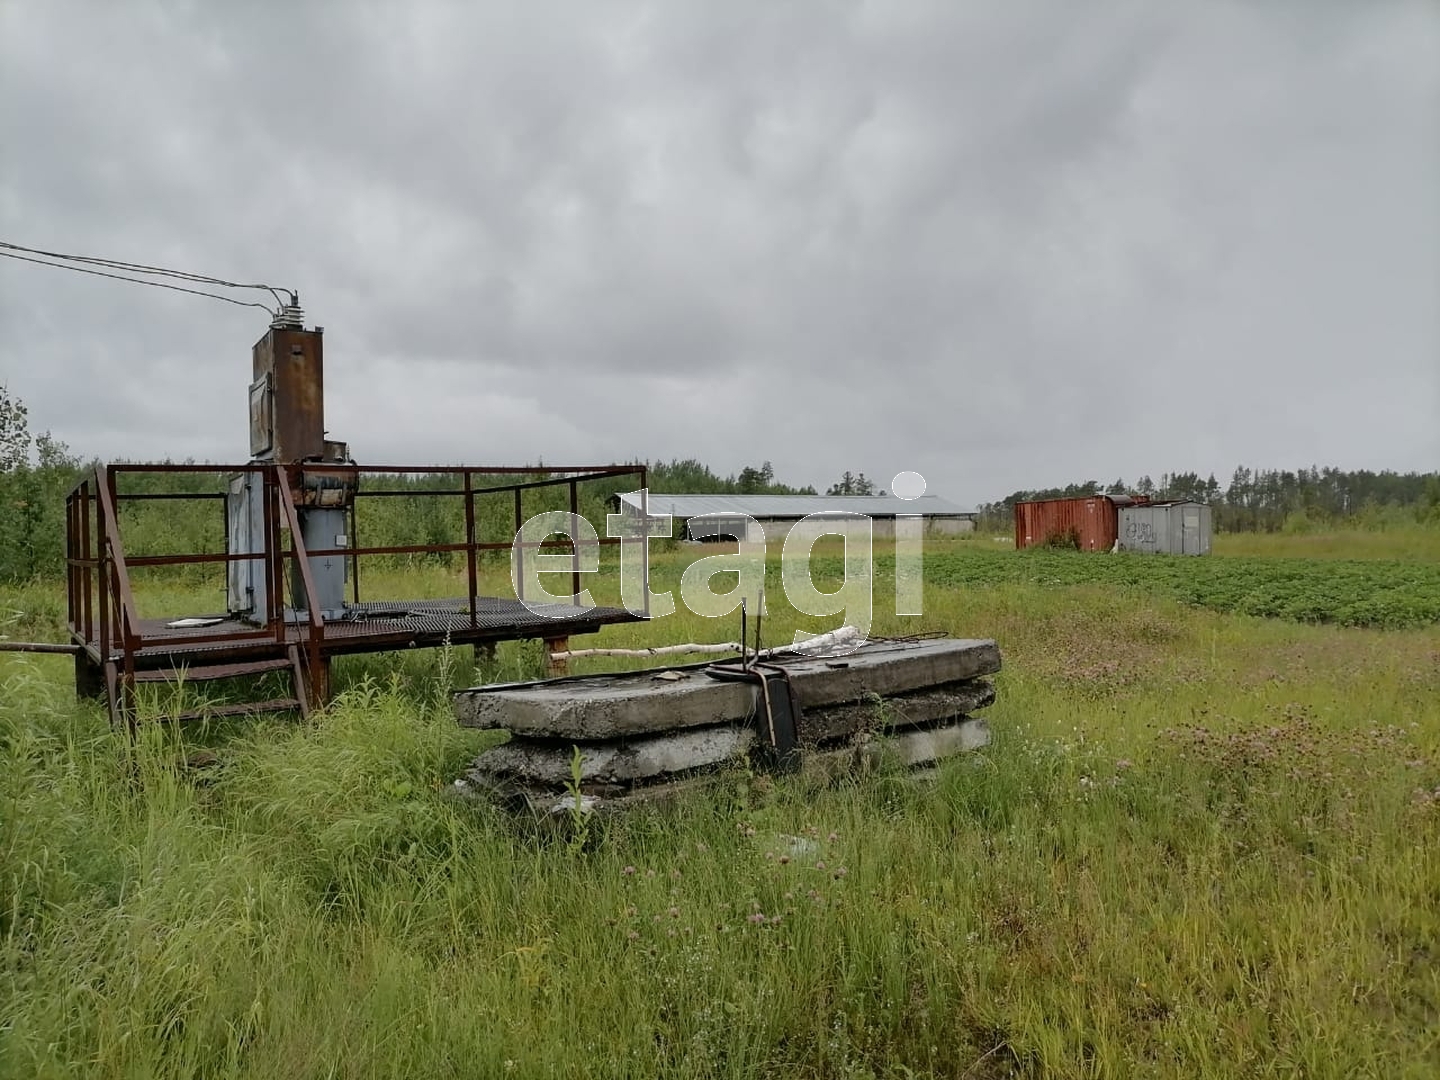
(136, 281)
(142, 268)
(120, 264)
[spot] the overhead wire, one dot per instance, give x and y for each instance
(143, 268)
(136, 281)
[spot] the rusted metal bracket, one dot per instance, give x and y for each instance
(777, 715)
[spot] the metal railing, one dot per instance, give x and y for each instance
(101, 598)
(102, 611)
(567, 477)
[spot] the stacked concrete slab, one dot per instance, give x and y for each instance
(643, 733)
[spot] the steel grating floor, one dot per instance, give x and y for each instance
(492, 614)
(375, 626)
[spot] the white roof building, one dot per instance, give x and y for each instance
(724, 516)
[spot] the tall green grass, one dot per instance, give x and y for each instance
(1201, 845)
(1401, 541)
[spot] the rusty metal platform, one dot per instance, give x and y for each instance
(290, 521)
(115, 646)
(371, 626)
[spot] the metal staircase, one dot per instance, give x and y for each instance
(120, 687)
(118, 652)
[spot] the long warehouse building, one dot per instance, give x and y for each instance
(724, 517)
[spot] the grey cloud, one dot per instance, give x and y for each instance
(1007, 245)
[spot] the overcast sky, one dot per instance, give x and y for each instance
(1003, 244)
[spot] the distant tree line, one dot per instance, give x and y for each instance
(1268, 500)
(854, 484)
(691, 477)
(36, 473)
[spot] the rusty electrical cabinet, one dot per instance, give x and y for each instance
(287, 397)
(290, 553)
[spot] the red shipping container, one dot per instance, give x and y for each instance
(1093, 521)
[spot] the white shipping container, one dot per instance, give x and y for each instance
(1181, 528)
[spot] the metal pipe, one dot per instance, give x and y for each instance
(87, 572)
(316, 630)
(102, 576)
(70, 567)
(645, 542)
(519, 552)
(274, 568)
(354, 555)
(470, 547)
(585, 472)
(185, 560)
(575, 542)
(759, 614)
(140, 496)
(40, 647)
(127, 618)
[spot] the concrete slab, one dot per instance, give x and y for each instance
(826, 723)
(917, 750)
(618, 762)
(613, 706)
(887, 669)
(607, 707)
(543, 803)
(909, 749)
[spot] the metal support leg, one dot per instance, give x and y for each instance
(89, 677)
(319, 682)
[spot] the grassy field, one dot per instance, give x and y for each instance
(1408, 544)
(1205, 842)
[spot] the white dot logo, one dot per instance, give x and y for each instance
(908, 486)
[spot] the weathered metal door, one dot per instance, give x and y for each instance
(245, 579)
(1190, 538)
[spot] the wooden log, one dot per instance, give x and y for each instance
(557, 649)
(845, 636)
